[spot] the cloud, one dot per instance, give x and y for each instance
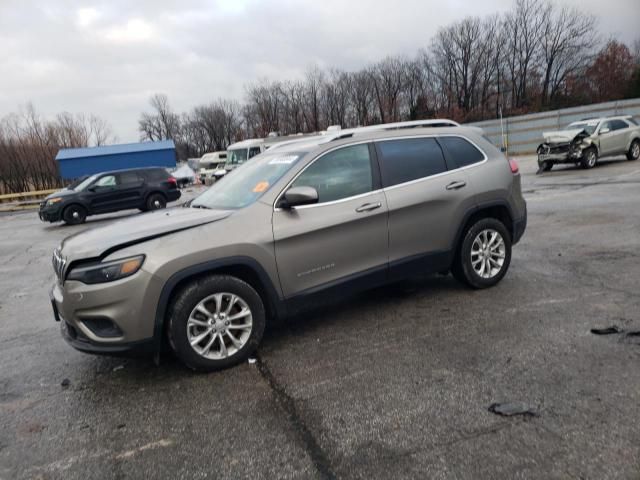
(86, 16)
(108, 57)
(134, 30)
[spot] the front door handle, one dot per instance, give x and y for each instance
(367, 207)
(456, 185)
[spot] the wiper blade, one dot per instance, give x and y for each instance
(199, 205)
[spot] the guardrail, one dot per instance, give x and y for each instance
(523, 133)
(22, 201)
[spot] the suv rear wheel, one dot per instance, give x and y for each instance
(74, 214)
(484, 255)
(215, 322)
(156, 201)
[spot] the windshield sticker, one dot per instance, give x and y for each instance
(260, 187)
(287, 159)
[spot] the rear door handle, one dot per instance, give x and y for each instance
(367, 207)
(456, 185)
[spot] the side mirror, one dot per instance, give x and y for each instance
(604, 130)
(297, 196)
(92, 188)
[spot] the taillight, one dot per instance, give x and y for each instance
(514, 166)
(172, 180)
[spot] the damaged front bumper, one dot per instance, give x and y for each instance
(559, 154)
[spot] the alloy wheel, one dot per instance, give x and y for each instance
(219, 326)
(488, 253)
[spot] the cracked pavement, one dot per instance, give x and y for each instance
(394, 383)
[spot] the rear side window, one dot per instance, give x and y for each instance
(155, 175)
(253, 151)
(128, 178)
(339, 174)
(409, 159)
(461, 151)
(618, 124)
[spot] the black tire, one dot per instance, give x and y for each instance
(545, 166)
(74, 214)
(184, 303)
(589, 158)
(156, 201)
(634, 150)
(462, 268)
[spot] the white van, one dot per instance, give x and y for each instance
(240, 152)
(209, 164)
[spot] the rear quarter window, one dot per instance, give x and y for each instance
(461, 151)
(155, 175)
(409, 159)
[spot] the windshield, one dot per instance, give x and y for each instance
(84, 184)
(235, 157)
(247, 183)
(587, 127)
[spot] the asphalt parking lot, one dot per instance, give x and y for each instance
(394, 383)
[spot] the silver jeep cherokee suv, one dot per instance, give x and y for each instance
(314, 219)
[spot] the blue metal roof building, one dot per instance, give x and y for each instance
(77, 162)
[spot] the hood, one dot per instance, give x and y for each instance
(98, 242)
(61, 193)
(561, 136)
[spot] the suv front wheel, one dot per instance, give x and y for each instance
(484, 255)
(634, 150)
(74, 214)
(589, 158)
(215, 322)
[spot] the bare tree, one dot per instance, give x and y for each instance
(524, 27)
(312, 98)
(568, 38)
(29, 144)
(162, 124)
(388, 80)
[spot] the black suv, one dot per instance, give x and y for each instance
(142, 188)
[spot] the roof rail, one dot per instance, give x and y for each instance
(336, 134)
(434, 123)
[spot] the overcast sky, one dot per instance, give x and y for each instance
(108, 58)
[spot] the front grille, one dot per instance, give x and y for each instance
(59, 263)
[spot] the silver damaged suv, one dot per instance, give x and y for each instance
(307, 220)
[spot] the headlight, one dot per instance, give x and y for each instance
(108, 271)
(51, 201)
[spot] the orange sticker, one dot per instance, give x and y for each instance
(261, 187)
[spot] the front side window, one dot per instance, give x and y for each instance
(410, 159)
(339, 174)
(608, 124)
(106, 181)
(461, 151)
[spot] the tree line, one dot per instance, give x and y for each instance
(29, 144)
(539, 56)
